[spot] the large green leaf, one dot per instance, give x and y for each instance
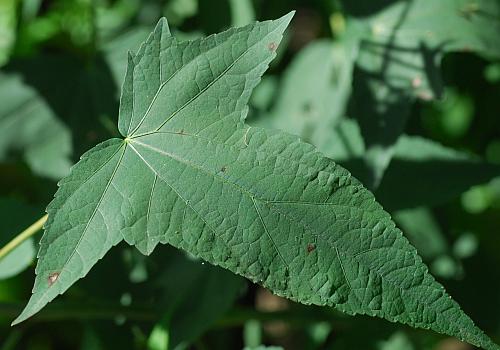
(260, 203)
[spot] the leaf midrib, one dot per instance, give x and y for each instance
(80, 239)
(201, 92)
(252, 196)
(249, 194)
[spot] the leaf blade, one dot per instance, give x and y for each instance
(51, 279)
(262, 204)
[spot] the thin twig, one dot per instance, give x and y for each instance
(23, 236)
(90, 311)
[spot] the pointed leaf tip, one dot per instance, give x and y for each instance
(286, 19)
(162, 26)
(26, 313)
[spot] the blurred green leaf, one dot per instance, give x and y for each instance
(11, 341)
(492, 73)
(159, 338)
(60, 22)
(18, 260)
(493, 152)
(465, 246)
(252, 334)
(313, 94)
(477, 199)
(115, 51)
(452, 116)
(426, 173)
(181, 298)
(242, 12)
(177, 11)
(264, 94)
(424, 232)
(80, 111)
(28, 126)
(91, 340)
(85, 100)
(113, 16)
(399, 58)
(422, 172)
(403, 44)
(15, 217)
(382, 113)
(398, 341)
(8, 21)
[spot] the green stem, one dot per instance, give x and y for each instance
(68, 311)
(23, 236)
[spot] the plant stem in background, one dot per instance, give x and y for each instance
(20, 238)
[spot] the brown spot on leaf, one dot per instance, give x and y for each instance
(53, 278)
(223, 169)
(311, 247)
(272, 46)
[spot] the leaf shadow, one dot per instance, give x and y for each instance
(410, 183)
(385, 84)
(82, 94)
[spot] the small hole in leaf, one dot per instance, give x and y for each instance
(311, 247)
(223, 169)
(53, 278)
(272, 46)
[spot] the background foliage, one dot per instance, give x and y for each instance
(402, 93)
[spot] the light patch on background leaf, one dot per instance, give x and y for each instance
(8, 21)
(29, 126)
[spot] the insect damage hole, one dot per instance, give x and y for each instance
(53, 277)
(311, 247)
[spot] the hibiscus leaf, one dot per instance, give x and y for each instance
(259, 203)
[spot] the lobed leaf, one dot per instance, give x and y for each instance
(260, 203)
